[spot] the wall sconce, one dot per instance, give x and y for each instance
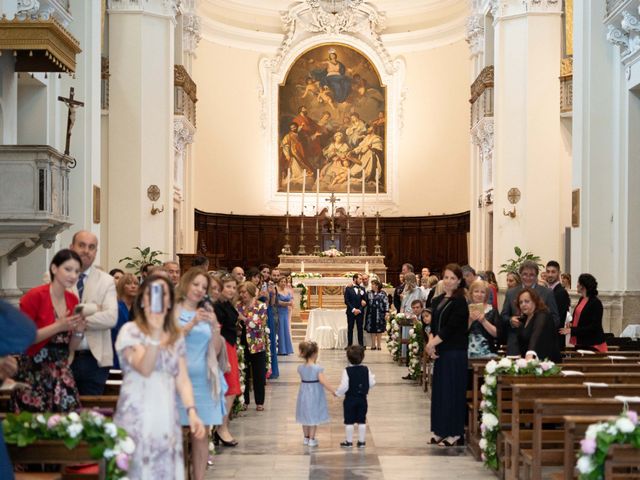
(513, 195)
(153, 194)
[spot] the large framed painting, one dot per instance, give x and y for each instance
(332, 119)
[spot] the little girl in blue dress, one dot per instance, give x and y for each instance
(311, 408)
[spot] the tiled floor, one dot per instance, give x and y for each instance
(398, 428)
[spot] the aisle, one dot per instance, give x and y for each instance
(271, 442)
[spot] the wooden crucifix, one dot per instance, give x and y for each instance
(71, 117)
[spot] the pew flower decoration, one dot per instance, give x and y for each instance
(416, 347)
(393, 330)
(238, 402)
(599, 437)
(490, 424)
(303, 295)
(105, 439)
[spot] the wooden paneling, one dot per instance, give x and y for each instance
(248, 240)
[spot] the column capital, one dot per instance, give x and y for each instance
(183, 133)
(475, 34)
(509, 8)
(161, 8)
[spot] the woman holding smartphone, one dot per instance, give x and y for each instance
(45, 367)
(154, 368)
(206, 357)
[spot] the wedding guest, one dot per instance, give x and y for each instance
(493, 285)
(537, 338)
(586, 328)
(227, 316)
(432, 282)
(238, 274)
(96, 290)
(201, 261)
(173, 270)
(253, 319)
(483, 321)
(117, 274)
(377, 310)
(152, 355)
(565, 279)
(397, 293)
(22, 334)
(203, 349)
(45, 367)
(215, 288)
(272, 319)
(127, 289)
(254, 276)
(410, 293)
(284, 300)
(448, 342)
(513, 280)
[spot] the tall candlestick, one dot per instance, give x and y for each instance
(348, 188)
(363, 191)
(317, 191)
(366, 268)
(302, 267)
(288, 186)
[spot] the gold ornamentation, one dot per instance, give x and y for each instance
(484, 81)
(39, 45)
(181, 78)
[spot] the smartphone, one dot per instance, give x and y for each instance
(156, 298)
(206, 303)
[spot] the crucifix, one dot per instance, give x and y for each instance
(72, 104)
(333, 199)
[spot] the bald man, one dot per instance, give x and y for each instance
(95, 288)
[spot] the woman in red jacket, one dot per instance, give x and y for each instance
(45, 367)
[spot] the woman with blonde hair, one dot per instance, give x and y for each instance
(154, 367)
(483, 319)
(206, 358)
(127, 289)
(410, 293)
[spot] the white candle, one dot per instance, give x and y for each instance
(304, 183)
(302, 267)
(288, 186)
(366, 268)
(348, 188)
(377, 187)
(362, 192)
(317, 191)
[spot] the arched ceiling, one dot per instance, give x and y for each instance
(410, 24)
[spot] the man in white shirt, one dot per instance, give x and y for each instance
(97, 293)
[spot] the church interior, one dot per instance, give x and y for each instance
(400, 154)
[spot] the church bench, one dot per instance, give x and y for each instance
(523, 398)
(106, 404)
(575, 427)
(623, 462)
(112, 387)
(550, 411)
(54, 452)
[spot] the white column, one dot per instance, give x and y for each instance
(527, 128)
(141, 53)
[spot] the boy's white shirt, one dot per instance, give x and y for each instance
(344, 382)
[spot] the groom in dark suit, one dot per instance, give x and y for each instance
(355, 298)
(510, 315)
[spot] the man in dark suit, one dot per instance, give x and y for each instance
(355, 298)
(510, 315)
(560, 295)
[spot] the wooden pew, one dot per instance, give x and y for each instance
(575, 427)
(552, 411)
(54, 452)
(623, 462)
(522, 413)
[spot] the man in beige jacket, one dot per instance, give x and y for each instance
(97, 291)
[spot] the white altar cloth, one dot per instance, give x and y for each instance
(631, 330)
(336, 319)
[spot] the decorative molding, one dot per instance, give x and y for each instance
(191, 32)
(617, 37)
(509, 8)
(161, 8)
(475, 34)
(623, 30)
(181, 78)
(44, 10)
(306, 27)
(482, 82)
(183, 134)
(482, 135)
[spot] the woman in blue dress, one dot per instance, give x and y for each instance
(284, 300)
(206, 360)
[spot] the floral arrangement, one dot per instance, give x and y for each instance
(106, 440)
(267, 349)
(599, 437)
(305, 275)
(489, 406)
(416, 347)
(332, 252)
(393, 330)
(238, 402)
(349, 274)
(303, 295)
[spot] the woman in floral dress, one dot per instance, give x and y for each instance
(154, 368)
(45, 367)
(378, 307)
(253, 320)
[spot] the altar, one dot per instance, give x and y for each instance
(335, 266)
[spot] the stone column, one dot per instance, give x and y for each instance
(527, 143)
(141, 59)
